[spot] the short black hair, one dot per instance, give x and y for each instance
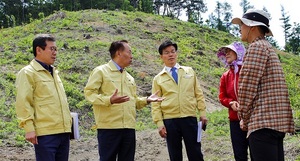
(115, 46)
(40, 41)
(264, 29)
(166, 44)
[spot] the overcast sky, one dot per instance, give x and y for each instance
(273, 7)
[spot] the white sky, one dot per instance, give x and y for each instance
(273, 7)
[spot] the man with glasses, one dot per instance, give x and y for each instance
(41, 103)
(176, 116)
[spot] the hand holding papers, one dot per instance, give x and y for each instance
(75, 128)
(200, 128)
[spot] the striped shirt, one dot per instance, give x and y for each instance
(263, 93)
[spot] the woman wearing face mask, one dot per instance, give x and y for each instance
(232, 56)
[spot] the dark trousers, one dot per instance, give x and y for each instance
(239, 141)
(185, 128)
(116, 143)
(267, 145)
(53, 147)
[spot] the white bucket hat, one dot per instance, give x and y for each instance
(239, 50)
(254, 17)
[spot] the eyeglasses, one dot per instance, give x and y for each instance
(53, 48)
(169, 52)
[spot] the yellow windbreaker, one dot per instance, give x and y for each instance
(41, 102)
(102, 83)
(182, 100)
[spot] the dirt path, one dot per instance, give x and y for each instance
(149, 147)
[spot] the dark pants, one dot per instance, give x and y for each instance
(185, 128)
(239, 141)
(116, 143)
(53, 147)
(267, 145)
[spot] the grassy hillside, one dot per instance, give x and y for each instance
(83, 39)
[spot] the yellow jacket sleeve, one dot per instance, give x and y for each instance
(24, 101)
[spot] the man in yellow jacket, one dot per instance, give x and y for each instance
(41, 103)
(175, 117)
(112, 91)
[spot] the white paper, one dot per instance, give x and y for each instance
(199, 133)
(75, 127)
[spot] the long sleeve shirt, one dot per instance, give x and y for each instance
(102, 83)
(182, 100)
(228, 91)
(263, 93)
(41, 102)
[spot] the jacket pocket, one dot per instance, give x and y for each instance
(44, 102)
(46, 114)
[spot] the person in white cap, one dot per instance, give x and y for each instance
(232, 56)
(265, 109)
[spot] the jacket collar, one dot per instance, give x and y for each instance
(37, 66)
(113, 66)
(167, 69)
